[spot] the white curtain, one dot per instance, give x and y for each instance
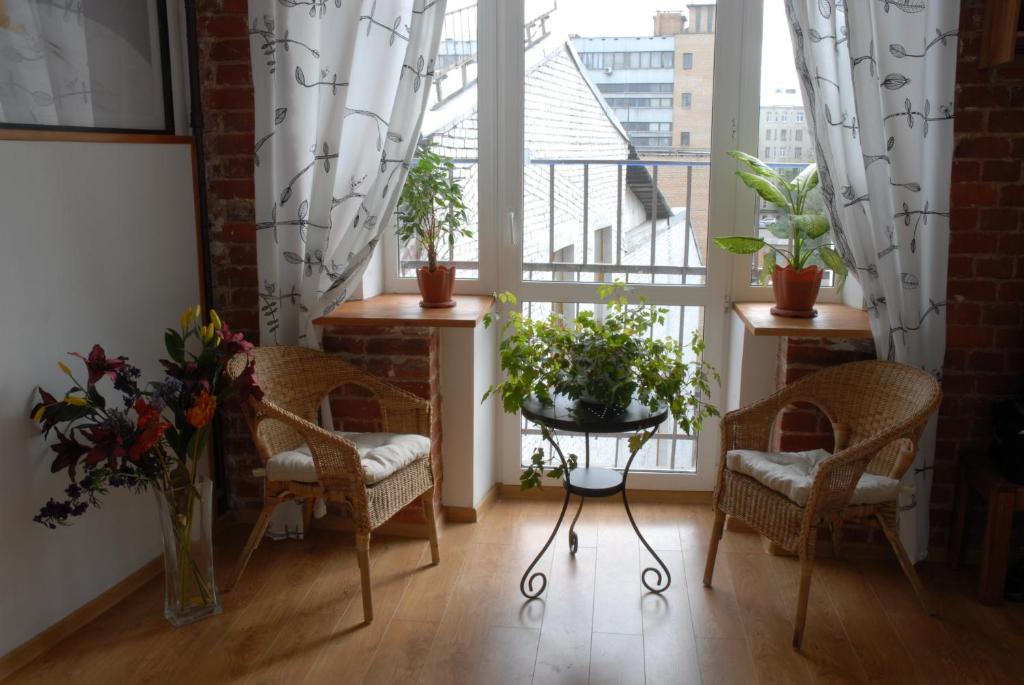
(340, 89)
(878, 82)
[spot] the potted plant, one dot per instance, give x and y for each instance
(603, 363)
(806, 249)
(153, 437)
(432, 212)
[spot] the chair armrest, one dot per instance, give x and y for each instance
(335, 458)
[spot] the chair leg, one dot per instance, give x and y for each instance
(258, 531)
(837, 538)
(806, 568)
(908, 568)
(427, 500)
(307, 514)
(716, 535)
(363, 555)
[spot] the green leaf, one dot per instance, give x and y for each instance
(810, 225)
(755, 164)
(768, 191)
(807, 180)
(834, 262)
(767, 268)
(740, 244)
(175, 345)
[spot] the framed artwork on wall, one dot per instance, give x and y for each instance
(85, 65)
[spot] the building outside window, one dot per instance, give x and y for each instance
(799, 117)
(684, 138)
(782, 134)
(798, 151)
(799, 134)
(686, 100)
(783, 117)
(687, 60)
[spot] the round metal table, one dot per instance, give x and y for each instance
(586, 481)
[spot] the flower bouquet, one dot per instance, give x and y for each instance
(153, 439)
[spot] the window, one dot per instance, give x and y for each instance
(798, 135)
(769, 116)
(684, 138)
(782, 134)
(687, 60)
(784, 117)
(645, 60)
(686, 100)
(633, 60)
(799, 118)
(798, 152)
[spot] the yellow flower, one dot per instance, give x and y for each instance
(214, 319)
(64, 368)
(197, 313)
(76, 400)
(186, 316)
(38, 416)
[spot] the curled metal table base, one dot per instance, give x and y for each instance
(593, 483)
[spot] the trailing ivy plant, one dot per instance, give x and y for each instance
(431, 209)
(804, 231)
(606, 361)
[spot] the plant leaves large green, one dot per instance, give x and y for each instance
(765, 188)
(767, 268)
(834, 262)
(755, 164)
(740, 244)
(807, 180)
(810, 225)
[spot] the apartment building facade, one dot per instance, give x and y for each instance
(783, 133)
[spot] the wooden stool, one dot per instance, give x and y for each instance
(1002, 499)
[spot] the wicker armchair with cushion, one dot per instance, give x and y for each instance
(373, 475)
(878, 410)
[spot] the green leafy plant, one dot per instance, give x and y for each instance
(431, 209)
(803, 230)
(606, 361)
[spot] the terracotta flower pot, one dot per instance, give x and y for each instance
(436, 286)
(796, 291)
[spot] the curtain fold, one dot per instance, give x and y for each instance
(340, 90)
(878, 81)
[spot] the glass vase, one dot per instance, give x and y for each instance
(190, 589)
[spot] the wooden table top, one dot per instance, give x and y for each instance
(405, 310)
(832, 321)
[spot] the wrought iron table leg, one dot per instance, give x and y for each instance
(650, 569)
(574, 540)
(527, 581)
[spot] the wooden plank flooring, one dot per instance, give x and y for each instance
(296, 616)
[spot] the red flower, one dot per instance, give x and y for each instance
(247, 385)
(232, 343)
(39, 412)
(68, 451)
(201, 412)
(99, 366)
(145, 440)
(106, 444)
(147, 412)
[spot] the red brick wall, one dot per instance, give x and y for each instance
(985, 331)
(408, 357)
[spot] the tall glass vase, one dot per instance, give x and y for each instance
(186, 514)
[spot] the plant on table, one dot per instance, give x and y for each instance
(604, 362)
(806, 248)
(155, 437)
(432, 213)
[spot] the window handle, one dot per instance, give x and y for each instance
(512, 226)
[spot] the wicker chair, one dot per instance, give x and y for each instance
(295, 381)
(878, 410)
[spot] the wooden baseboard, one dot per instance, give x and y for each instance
(663, 496)
(475, 514)
(49, 638)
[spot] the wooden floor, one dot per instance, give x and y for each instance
(296, 615)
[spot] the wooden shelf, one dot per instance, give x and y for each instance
(833, 321)
(405, 310)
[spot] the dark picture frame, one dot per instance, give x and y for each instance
(166, 89)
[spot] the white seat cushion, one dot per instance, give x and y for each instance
(792, 474)
(381, 453)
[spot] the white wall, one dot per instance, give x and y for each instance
(98, 245)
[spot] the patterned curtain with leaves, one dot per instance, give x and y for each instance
(340, 89)
(878, 82)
